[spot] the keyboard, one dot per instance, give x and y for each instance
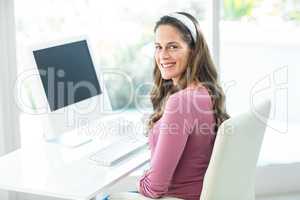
(117, 151)
(106, 127)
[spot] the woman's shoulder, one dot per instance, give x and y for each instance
(186, 97)
(191, 94)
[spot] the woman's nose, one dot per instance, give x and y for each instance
(164, 53)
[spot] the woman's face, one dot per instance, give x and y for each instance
(171, 52)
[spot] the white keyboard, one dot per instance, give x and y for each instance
(117, 151)
(106, 127)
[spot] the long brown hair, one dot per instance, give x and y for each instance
(200, 69)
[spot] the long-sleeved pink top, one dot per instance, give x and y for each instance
(181, 143)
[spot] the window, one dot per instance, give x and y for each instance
(259, 48)
(259, 38)
(120, 33)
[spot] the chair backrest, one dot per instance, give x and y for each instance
(231, 171)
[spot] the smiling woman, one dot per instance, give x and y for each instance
(183, 60)
(186, 97)
(188, 109)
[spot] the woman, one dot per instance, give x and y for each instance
(188, 107)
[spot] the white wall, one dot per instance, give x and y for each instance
(10, 137)
(9, 123)
(256, 55)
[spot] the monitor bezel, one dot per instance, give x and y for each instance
(56, 122)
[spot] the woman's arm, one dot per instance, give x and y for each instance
(172, 138)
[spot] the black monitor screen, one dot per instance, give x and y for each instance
(67, 73)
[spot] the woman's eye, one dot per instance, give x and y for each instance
(157, 47)
(173, 47)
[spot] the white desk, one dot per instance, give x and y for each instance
(53, 170)
(50, 170)
(64, 173)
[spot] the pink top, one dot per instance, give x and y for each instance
(181, 144)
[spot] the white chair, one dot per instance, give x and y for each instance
(231, 171)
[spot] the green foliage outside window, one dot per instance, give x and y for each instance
(236, 9)
(294, 15)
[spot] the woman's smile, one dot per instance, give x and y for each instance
(168, 65)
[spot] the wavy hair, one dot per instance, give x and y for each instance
(200, 69)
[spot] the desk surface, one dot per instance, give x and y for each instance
(50, 169)
(56, 171)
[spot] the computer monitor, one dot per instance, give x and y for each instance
(73, 88)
